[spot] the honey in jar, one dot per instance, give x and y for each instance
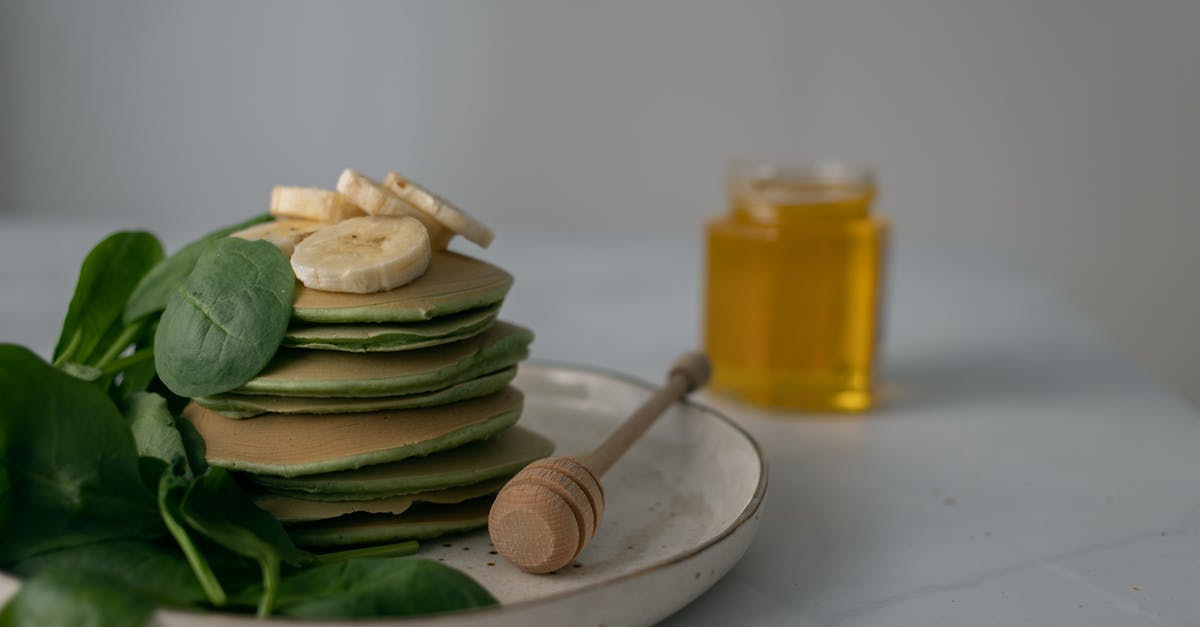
(795, 287)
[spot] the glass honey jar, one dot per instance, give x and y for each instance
(795, 286)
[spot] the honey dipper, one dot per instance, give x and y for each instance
(548, 512)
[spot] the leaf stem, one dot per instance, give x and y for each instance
(131, 360)
(200, 568)
(387, 550)
(270, 572)
(121, 343)
(72, 346)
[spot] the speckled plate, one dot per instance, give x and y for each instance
(682, 507)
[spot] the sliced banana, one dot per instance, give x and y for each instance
(376, 200)
(312, 203)
(445, 213)
(284, 234)
(363, 255)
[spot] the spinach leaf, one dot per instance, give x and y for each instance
(175, 402)
(114, 341)
(395, 549)
(225, 322)
(151, 470)
(90, 374)
(5, 498)
(120, 375)
(151, 568)
(215, 501)
(77, 599)
(71, 462)
(137, 374)
(109, 275)
(218, 508)
(155, 289)
(153, 428)
(193, 445)
(379, 587)
(172, 489)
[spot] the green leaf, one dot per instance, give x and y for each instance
(225, 322)
(118, 337)
(151, 568)
(175, 402)
(136, 377)
(89, 374)
(5, 498)
(151, 470)
(218, 508)
(109, 275)
(395, 549)
(379, 587)
(153, 428)
(193, 444)
(71, 462)
(155, 289)
(78, 599)
(172, 489)
(137, 369)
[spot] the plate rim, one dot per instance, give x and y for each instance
(748, 512)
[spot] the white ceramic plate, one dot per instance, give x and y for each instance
(681, 509)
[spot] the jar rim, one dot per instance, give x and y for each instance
(770, 193)
(754, 172)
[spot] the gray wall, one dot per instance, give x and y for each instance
(1065, 131)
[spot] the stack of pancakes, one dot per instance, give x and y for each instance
(384, 416)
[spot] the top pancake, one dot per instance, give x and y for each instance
(453, 283)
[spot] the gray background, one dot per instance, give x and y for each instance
(1064, 131)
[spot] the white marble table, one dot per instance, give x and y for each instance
(1020, 471)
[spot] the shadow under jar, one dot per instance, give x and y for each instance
(795, 287)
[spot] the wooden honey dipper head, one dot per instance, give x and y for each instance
(548, 512)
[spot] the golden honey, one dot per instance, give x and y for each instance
(795, 287)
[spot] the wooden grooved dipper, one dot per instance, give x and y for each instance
(548, 512)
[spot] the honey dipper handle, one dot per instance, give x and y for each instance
(689, 372)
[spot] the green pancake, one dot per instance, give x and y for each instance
(418, 523)
(296, 445)
(248, 405)
(453, 283)
(395, 336)
(299, 372)
(290, 510)
(501, 455)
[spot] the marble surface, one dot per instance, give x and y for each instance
(1019, 471)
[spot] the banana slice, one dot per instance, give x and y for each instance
(312, 203)
(363, 255)
(284, 234)
(445, 213)
(376, 200)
